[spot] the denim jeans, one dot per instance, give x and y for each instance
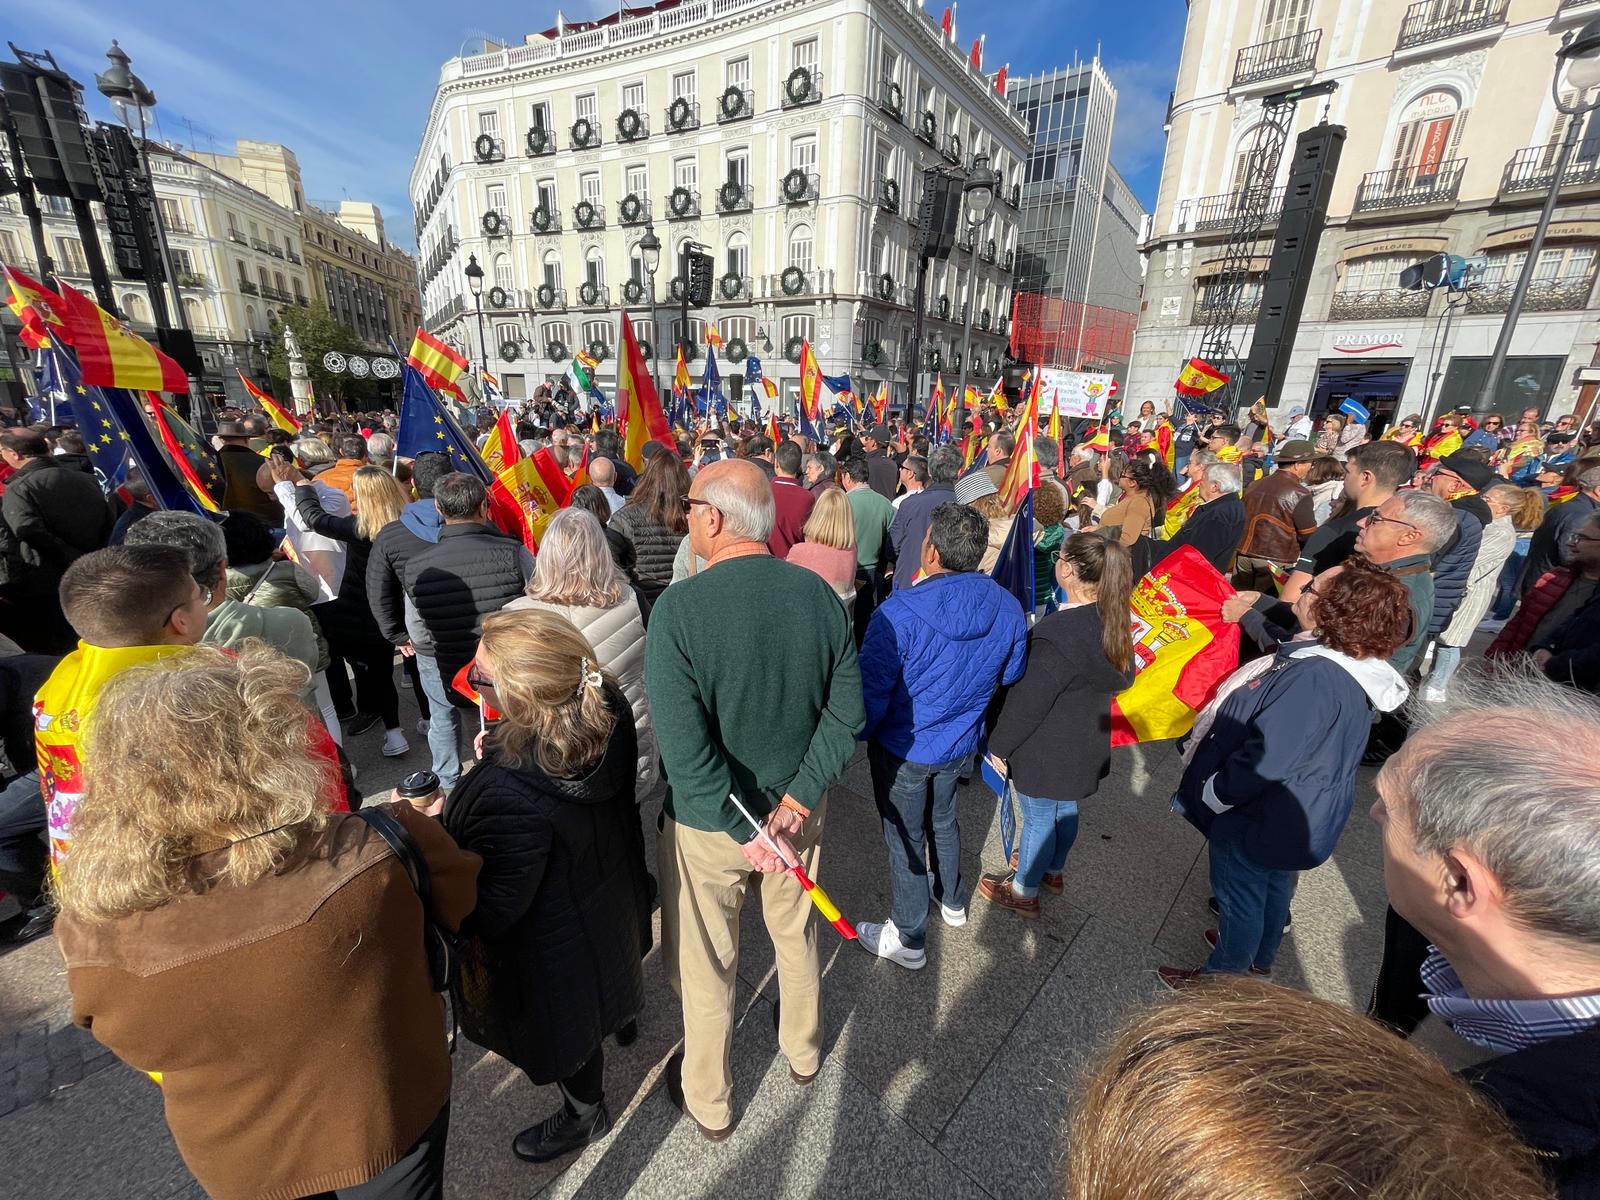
(23, 851)
(1506, 592)
(444, 725)
(1255, 908)
(911, 797)
(1049, 827)
(1445, 661)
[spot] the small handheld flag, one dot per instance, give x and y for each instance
(1354, 408)
(439, 365)
(818, 897)
(276, 413)
(1199, 378)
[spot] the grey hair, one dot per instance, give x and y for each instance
(203, 539)
(944, 464)
(1227, 477)
(312, 452)
(1531, 823)
(381, 446)
(574, 564)
(748, 512)
(1048, 450)
(1206, 458)
(1432, 518)
(823, 459)
(1590, 479)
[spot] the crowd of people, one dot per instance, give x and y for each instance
(720, 625)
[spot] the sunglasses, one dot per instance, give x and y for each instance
(477, 679)
(690, 501)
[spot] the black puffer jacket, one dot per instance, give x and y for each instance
(474, 570)
(1452, 567)
(55, 515)
(1551, 1092)
(347, 620)
(562, 923)
(655, 549)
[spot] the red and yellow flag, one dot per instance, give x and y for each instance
(937, 402)
(773, 431)
(276, 413)
(180, 459)
(1166, 444)
(39, 310)
(1055, 416)
(810, 383)
(1022, 473)
(681, 383)
(713, 337)
(1198, 378)
(439, 365)
(638, 406)
(500, 448)
(527, 494)
(1179, 509)
(112, 355)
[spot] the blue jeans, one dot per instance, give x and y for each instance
(23, 850)
(1255, 908)
(444, 723)
(911, 797)
(1506, 591)
(1049, 827)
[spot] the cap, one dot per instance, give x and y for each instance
(1296, 451)
(1464, 408)
(880, 434)
(974, 487)
(418, 785)
(1560, 438)
(1474, 472)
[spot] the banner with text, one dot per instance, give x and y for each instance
(1077, 393)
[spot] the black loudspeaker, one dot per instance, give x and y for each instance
(178, 345)
(938, 217)
(1294, 252)
(46, 112)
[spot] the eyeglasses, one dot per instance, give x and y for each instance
(1408, 424)
(1377, 518)
(476, 679)
(1310, 589)
(1585, 537)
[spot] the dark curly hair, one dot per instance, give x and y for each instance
(1153, 479)
(1363, 611)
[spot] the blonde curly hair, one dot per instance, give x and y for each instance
(199, 752)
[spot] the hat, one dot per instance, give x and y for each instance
(1296, 451)
(1474, 472)
(1560, 438)
(1464, 408)
(880, 434)
(974, 487)
(232, 429)
(1298, 410)
(650, 449)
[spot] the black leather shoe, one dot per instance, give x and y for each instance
(562, 1132)
(628, 1034)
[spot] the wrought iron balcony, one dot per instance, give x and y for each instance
(736, 104)
(1544, 295)
(1434, 20)
(587, 214)
(683, 204)
(275, 250)
(952, 148)
(637, 291)
(585, 134)
(1011, 261)
(793, 283)
(633, 209)
(802, 87)
(545, 220)
(293, 257)
(245, 286)
(278, 294)
(486, 148)
(550, 298)
(887, 195)
(1379, 305)
(235, 236)
(735, 197)
(594, 295)
(495, 222)
(1207, 307)
(190, 279)
(800, 187)
(1533, 169)
(170, 224)
(891, 99)
(1410, 187)
(633, 125)
(733, 288)
(1292, 55)
(259, 244)
(302, 299)
(990, 251)
(928, 128)
(539, 142)
(683, 115)
(1223, 211)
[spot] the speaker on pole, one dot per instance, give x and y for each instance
(1294, 253)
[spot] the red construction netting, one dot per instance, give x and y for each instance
(1068, 334)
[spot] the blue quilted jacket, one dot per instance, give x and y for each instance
(933, 656)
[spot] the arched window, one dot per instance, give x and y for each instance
(739, 254)
(502, 271)
(801, 251)
(1426, 136)
(875, 255)
(133, 304)
(250, 317)
(636, 271)
(594, 266)
(552, 268)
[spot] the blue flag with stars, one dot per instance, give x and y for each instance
(426, 427)
(712, 398)
(1013, 570)
(58, 380)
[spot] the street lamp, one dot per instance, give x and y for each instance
(1579, 60)
(978, 189)
(650, 255)
(474, 274)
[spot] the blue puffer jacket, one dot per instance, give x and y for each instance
(933, 656)
(1452, 567)
(1259, 780)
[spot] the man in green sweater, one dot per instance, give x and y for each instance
(773, 722)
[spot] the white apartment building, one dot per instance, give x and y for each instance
(1452, 136)
(787, 137)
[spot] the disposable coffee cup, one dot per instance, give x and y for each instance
(419, 789)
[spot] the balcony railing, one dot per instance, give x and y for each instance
(1292, 55)
(1379, 305)
(176, 224)
(683, 115)
(235, 236)
(800, 187)
(633, 209)
(248, 288)
(887, 195)
(259, 244)
(1434, 20)
(190, 279)
(587, 214)
(302, 299)
(594, 295)
(550, 298)
(1205, 310)
(1410, 187)
(1222, 211)
(486, 148)
(802, 87)
(637, 291)
(735, 197)
(293, 257)
(736, 104)
(952, 148)
(585, 134)
(928, 128)
(633, 125)
(891, 99)
(1544, 295)
(793, 283)
(445, 313)
(539, 142)
(545, 220)
(733, 288)
(683, 204)
(275, 250)
(278, 294)
(507, 298)
(1533, 169)
(990, 251)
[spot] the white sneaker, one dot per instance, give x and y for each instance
(1433, 695)
(422, 727)
(395, 744)
(953, 917)
(884, 941)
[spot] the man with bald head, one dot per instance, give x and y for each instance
(727, 722)
(603, 474)
(1491, 849)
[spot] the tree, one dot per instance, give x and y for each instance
(318, 333)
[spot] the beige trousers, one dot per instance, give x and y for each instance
(704, 878)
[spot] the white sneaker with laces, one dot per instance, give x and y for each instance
(884, 941)
(395, 744)
(953, 917)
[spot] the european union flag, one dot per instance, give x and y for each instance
(713, 401)
(58, 381)
(1013, 570)
(752, 370)
(840, 385)
(426, 427)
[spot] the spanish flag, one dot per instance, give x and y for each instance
(681, 383)
(1101, 441)
(713, 337)
(534, 489)
(810, 383)
(773, 431)
(1022, 473)
(276, 413)
(37, 308)
(111, 355)
(1179, 509)
(180, 457)
(500, 449)
(438, 365)
(1199, 378)
(1166, 445)
(638, 407)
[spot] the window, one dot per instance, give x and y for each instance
(489, 122)
(505, 332)
(636, 271)
(738, 327)
(638, 181)
(696, 333)
(804, 54)
(277, 281)
(633, 96)
(261, 277)
(686, 173)
(552, 269)
(1570, 99)
(1563, 264)
(182, 262)
(801, 253)
(1380, 272)
(594, 266)
(803, 153)
(739, 254)
(502, 271)
(888, 66)
(558, 331)
(172, 215)
(250, 317)
(738, 72)
(191, 312)
(924, 99)
(547, 195)
(644, 329)
(801, 325)
(589, 187)
(1428, 133)
(880, 159)
(539, 115)
(494, 197)
(133, 304)
(739, 167)
(596, 331)
(875, 255)
(70, 256)
(588, 106)
(1284, 18)
(8, 250)
(683, 86)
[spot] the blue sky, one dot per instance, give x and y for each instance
(347, 86)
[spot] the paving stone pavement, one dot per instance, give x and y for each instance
(953, 1081)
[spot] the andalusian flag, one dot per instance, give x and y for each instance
(39, 310)
(439, 365)
(1182, 649)
(276, 413)
(500, 448)
(179, 454)
(111, 355)
(1199, 378)
(638, 408)
(1022, 473)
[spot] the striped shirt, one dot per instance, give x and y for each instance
(1503, 1025)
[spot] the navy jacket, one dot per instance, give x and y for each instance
(933, 656)
(1575, 649)
(1552, 541)
(911, 526)
(1452, 568)
(1261, 779)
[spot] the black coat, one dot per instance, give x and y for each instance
(557, 940)
(655, 549)
(883, 473)
(347, 620)
(392, 549)
(55, 515)
(1551, 545)
(1214, 529)
(1054, 729)
(240, 464)
(472, 571)
(1551, 1092)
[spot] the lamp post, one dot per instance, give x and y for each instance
(978, 189)
(650, 255)
(1579, 59)
(474, 274)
